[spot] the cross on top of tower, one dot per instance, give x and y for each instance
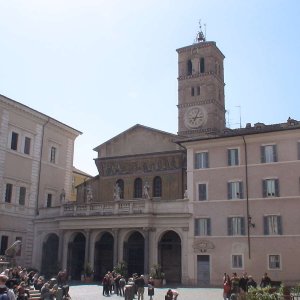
(200, 35)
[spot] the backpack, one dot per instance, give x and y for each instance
(3, 294)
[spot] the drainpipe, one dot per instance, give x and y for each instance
(247, 198)
(40, 169)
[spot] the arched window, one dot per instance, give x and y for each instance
(120, 183)
(157, 187)
(138, 188)
(202, 65)
(189, 67)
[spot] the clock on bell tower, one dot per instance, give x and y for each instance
(201, 104)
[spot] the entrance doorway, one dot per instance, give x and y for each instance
(50, 256)
(76, 255)
(134, 251)
(203, 270)
(104, 250)
(169, 251)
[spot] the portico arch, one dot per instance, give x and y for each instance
(76, 255)
(50, 265)
(169, 256)
(104, 254)
(134, 253)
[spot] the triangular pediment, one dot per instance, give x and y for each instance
(138, 139)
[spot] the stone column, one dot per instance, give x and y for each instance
(65, 249)
(146, 251)
(116, 247)
(60, 248)
(87, 247)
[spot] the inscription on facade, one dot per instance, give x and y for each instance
(112, 168)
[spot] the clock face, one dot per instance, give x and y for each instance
(195, 117)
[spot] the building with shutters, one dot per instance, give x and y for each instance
(202, 202)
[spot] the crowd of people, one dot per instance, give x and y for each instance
(235, 287)
(116, 283)
(134, 287)
(16, 284)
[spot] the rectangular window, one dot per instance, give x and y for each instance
(49, 200)
(4, 244)
(198, 90)
(22, 195)
(268, 153)
(201, 160)
(53, 155)
(236, 226)
(270, 188)
(274, 262)
(233, 157)
(8, 192)
(272, 225)
(202, 191)
(18, 238)
(235, 190)
(237, 261)
(202, 227)
(14, 141)
(27, 143)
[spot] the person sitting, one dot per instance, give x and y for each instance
(4, 290)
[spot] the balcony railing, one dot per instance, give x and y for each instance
(121, 207)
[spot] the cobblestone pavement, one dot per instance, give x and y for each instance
(94, 292)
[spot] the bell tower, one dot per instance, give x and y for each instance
(201, 100)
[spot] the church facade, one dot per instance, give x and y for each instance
(202, 202)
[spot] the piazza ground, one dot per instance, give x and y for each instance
(83, 292)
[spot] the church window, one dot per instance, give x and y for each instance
(138, 188)
(202, 65)
(157, 187)
(120, 183)
(189, 67)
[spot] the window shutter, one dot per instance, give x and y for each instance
(241, 196)
(277, 187)
(229, 157)
(243, 226)
(236, 154)
(229, 227)
(266, 227)
(262, 154)
(274, 153)
(206, 160)
(264, 188)
(208, 227)
(196, 227)
(197, 160)
(279, 223)
(229, 191)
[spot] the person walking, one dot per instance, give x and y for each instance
(226, 287)
(151, 288)
(140, 283)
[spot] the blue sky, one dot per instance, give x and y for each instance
(104, 66)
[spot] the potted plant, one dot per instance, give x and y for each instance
(88, 273)
(121, 268)
(157, 275)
